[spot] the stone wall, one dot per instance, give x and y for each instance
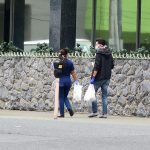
(27, 83)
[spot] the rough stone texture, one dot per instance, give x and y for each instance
(28, 83)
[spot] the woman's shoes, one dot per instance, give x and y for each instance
(61, 116)
(71, 112)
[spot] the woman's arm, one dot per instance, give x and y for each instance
(74, 75)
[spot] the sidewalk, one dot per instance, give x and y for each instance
(78, 117)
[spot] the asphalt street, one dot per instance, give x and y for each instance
(20, 130)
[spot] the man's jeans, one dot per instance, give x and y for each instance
(103, 84)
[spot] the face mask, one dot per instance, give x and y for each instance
(97, 48)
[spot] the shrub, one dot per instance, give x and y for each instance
(9, 47)
(42, 48)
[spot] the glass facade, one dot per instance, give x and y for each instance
(145, 24)
(1, 20)
(102, 18)
(129, 23)
(37, 20)
(128, 20)
(81, 20)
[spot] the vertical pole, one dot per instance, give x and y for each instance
(14, 22)
(18, 33)
(11, 34)
(138, 24)
(56, 102)
(62, 24)
(93, 22)
(7, 20)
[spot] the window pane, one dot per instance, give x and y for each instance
(84, 19)
(37, 19)
(83, 23)
(145, 23)
(129, 23)
(102, 19)
(88, 19)
(80, 19)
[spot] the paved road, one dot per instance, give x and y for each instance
(39, 131)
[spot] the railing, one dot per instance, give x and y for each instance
(73, 55)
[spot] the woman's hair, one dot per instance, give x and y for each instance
(63, 53)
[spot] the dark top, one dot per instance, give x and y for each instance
(103, 64)
(65, 79)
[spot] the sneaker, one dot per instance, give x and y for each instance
(103, 116)
(71, 112)
(92, 115)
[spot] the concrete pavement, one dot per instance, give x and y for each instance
(28, 130)
(79, 117)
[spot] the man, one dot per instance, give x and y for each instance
(101, 75)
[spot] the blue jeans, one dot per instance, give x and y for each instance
(103, 84)
(63, 93)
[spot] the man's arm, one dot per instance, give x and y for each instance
(112, 62)
(95, 70)
(94, 73)
(97, 66)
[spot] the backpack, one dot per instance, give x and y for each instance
(58, 68)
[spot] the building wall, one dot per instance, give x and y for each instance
(27, 83)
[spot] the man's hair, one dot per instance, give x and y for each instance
(101, 41)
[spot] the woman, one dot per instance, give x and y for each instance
(65, 82)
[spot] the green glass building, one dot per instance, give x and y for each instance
(36, 20)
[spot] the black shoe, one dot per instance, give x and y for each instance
(60, 116)
(71, 112)
(92, 115)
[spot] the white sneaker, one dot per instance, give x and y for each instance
(92, 115)
(103, 116)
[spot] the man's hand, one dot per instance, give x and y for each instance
(92, 80)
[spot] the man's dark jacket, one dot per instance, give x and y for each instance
(103, 64)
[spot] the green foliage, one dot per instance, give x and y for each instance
(147, 42)
(42, 48)
(9, 47)
(92, 50)
(143, 50)
(78, 49)
(122, 51)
